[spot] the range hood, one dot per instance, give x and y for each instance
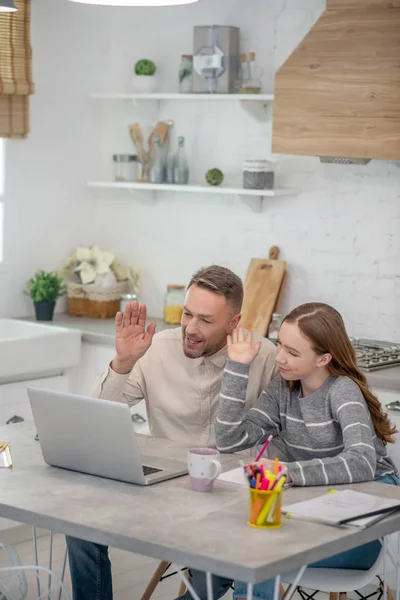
(338, 94)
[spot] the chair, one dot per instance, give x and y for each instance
(159, 575)
(337, 582)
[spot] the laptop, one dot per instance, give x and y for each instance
(95, 436)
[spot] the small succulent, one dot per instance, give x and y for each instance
(145, 67)
(214, 177)
(45, 287)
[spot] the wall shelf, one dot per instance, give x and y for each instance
(134, 187)
(199, 189)
(190, 97)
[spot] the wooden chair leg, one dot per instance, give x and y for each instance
(182, 587)
(155, 580)
(333, 596)
(388, 592)
(286, 594)
(282, 591)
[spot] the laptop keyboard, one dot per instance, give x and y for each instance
(150, 470)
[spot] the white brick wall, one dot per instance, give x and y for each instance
(339, 235)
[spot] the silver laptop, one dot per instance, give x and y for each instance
(95, 436)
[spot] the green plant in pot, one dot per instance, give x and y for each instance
(144, 77)
(44, 289)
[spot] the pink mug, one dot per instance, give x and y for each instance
(204, 467)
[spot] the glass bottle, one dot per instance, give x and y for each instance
(273, 329)
(186, 74)
(157, 168)
(173, 304)
(170, 162)
(181, 168)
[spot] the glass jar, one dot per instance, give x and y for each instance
(258, 175)
(273, 329)
(125, 298)
(173, 304)
(125, 167)
(186, 74)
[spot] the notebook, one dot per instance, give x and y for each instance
(346, 508)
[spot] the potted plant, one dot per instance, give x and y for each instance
(144, 78)
(44, 289)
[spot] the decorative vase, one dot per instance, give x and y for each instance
(44, 311)
(145, 84)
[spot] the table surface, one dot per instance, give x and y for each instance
(168, 520)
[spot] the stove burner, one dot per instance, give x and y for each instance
(373, 355)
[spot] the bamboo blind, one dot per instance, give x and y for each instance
(15, 71)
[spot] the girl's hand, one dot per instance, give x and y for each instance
(242, 350)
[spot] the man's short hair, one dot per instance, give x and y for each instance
(222, 281)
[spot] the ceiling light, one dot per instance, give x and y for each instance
(7, 6)
(130, 2)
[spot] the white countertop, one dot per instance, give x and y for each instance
(102, 331)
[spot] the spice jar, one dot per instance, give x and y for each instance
(125, 167)
(125, 298)
(173, 304)
(258, 175)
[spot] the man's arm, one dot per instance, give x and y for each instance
(128, 388)
(123, 381)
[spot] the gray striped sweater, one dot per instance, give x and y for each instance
(329, 435)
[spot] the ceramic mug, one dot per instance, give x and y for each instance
(204, 467)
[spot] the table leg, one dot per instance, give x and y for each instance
(50, 564)
(385, 555)
(293, 586)
(250, 587)
(277, 590)
(35, 552)
(398, 568)
(210, 595)
(190, 588)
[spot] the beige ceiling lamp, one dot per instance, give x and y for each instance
(135, 2)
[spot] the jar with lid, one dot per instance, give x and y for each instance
(258, 175)
(273, 329)
(173, 304)
(186, 74)
(125, 167)
(125, 299)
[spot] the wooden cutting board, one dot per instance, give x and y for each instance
(261, 290)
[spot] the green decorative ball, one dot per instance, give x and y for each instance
(214, 177)
(145, 67)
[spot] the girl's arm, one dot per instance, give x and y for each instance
(356, 461)
(237, 429)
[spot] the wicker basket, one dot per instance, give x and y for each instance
(95, 302)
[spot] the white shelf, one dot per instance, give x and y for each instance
(200, 189)
(208, 97)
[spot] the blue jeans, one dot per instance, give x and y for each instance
(361, 558)
(90, 569)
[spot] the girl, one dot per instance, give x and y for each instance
(333, 427)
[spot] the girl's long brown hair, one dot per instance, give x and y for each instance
(325, 329)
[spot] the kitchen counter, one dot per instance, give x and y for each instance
(102, 331)
(96, 331)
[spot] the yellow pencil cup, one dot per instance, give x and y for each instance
(265, 509)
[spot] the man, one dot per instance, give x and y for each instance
(178, 372)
